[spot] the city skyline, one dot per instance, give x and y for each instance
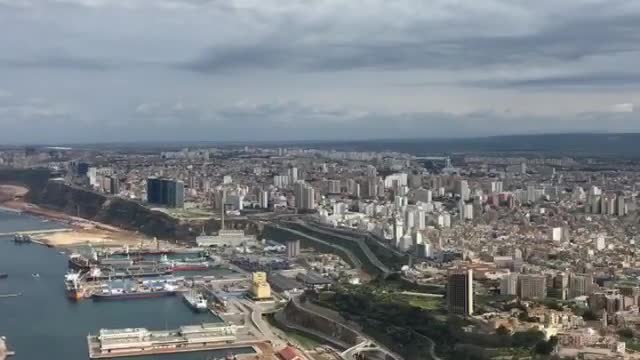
(95, 71)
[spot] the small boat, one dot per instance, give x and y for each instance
(35, 275)
(4, 275)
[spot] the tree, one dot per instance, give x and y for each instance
(503, 331)
(546, 347)
(527, 339)
(589, 315)
(625, 333)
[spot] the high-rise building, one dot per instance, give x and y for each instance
(580, 284)
(509, 284)
(620, 206)
(496, 187)
(293, 175)
(263, 199)
(468, 211)
(333, 186)
(304, 196)
(165, 192)
(460, 292)
(371, 171)
(293, 248)
(372, 187)
(462, 189)
(351, 186)
(281, 181)
(532, 286)
(114, 185)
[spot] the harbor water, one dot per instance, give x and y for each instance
(43, 324)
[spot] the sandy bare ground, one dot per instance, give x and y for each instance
(12, 192)
(83, 231)
(94, 237)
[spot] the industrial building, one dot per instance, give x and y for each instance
(260, 288)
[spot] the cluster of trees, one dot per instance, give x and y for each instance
(405, 328)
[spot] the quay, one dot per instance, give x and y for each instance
(10, 210)
(10, 295)
(4, 352)
(35, 232)
(111, 343)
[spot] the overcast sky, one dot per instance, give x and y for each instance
(153, 70)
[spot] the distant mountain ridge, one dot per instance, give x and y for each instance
(624, 145)
(570, 144)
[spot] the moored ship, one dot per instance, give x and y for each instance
(79, 262)
(129, 272)
(132, 295)
(195, 300)
(72, 286)
(189, 266)
(21, 239)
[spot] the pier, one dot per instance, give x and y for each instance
(140, 341)
(35, 232)
(10, 210)
(10, 295)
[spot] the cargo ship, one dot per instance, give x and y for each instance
(128, 273)
(189, 266)
(195, 300)
(133, 294)
(79, 262)
(72, 286)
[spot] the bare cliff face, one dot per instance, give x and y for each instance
(120, 212)
(72, 200)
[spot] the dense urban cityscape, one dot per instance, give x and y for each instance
(332, 254)
(319, 180)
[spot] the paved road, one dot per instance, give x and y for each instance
(353, 259)
(364, 247)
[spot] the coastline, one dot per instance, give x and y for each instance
(80, 231)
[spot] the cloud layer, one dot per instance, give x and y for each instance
(316, 69)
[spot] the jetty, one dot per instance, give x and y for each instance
(112, 343)
(10, 295)
(35, 232)
(10, 210)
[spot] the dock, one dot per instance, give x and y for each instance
(112, 343)
(10, 295)
(10, 210)
(35, 232)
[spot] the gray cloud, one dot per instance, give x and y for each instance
(590, 80)
(571, 39)
(54, 62)
(370, 68)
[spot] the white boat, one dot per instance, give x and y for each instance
(195, 300)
